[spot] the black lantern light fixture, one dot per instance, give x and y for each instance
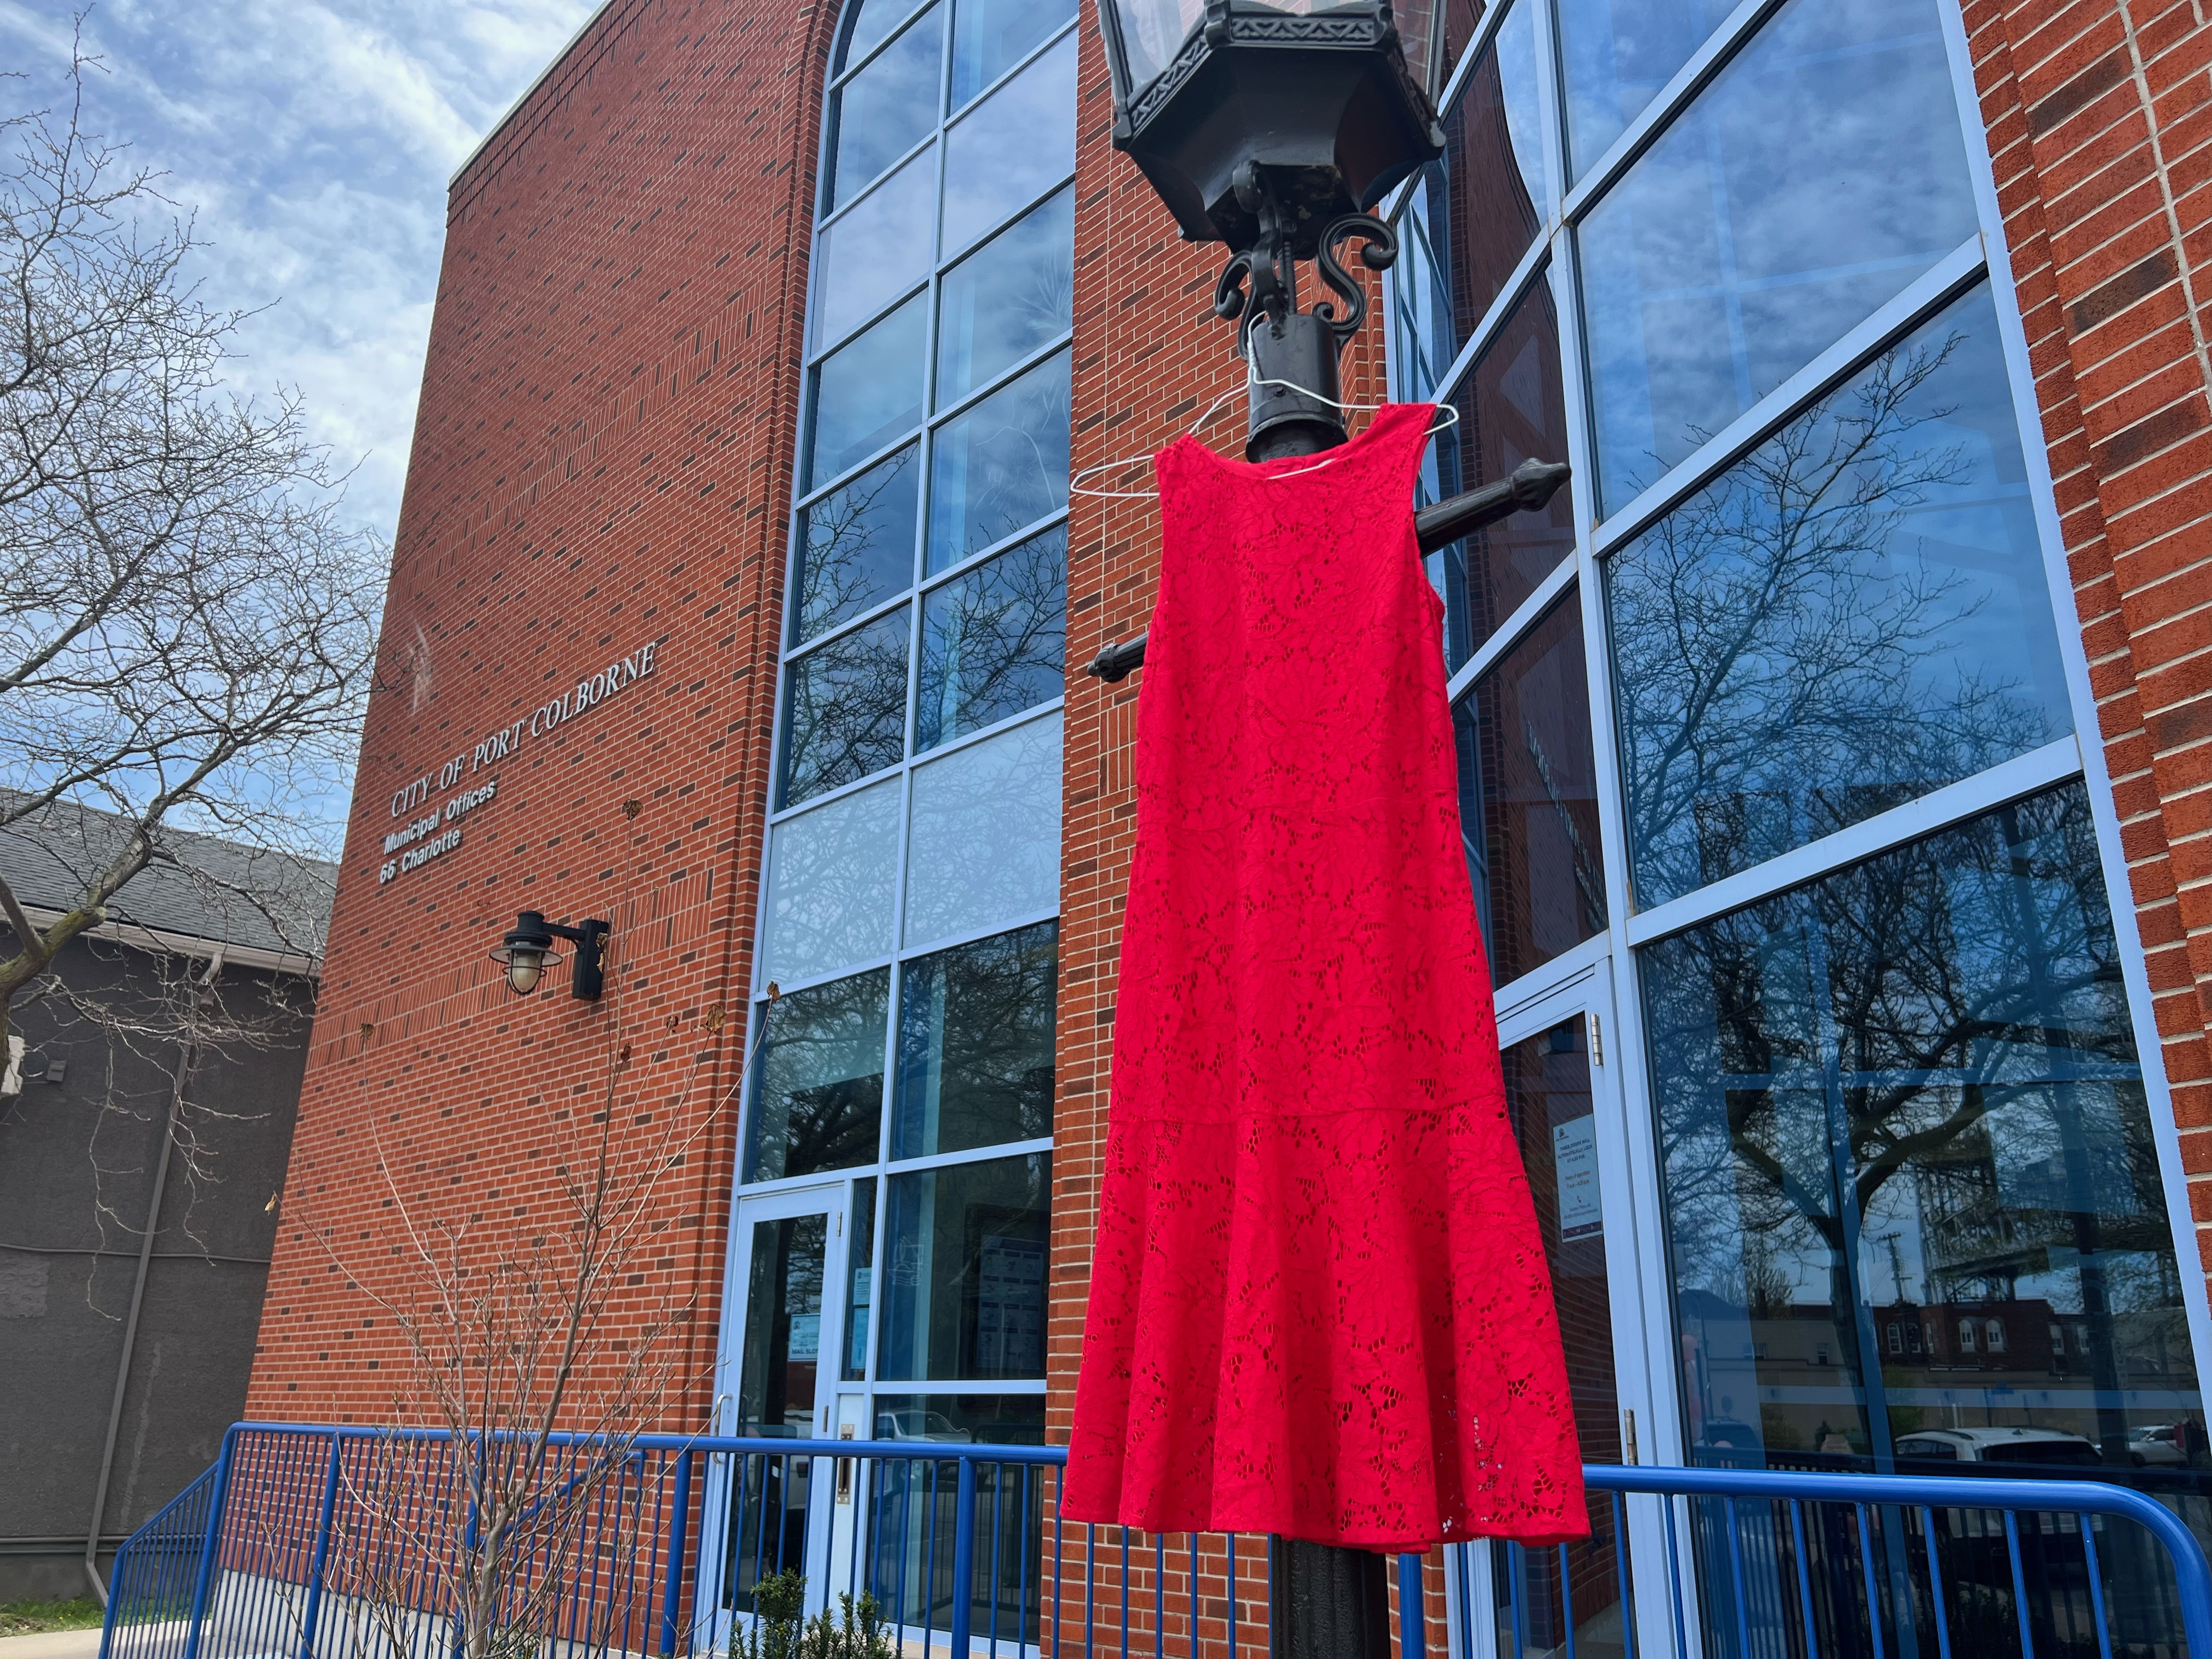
(528, 948)
(1276, 126)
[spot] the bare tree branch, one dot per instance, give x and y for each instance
(187, 622)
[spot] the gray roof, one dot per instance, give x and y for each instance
(199, 886)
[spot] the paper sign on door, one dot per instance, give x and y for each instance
(1574, 1161)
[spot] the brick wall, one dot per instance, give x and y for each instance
(2100, 117)
(602, 459)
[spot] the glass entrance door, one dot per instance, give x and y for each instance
(779, 1371)
(1566, 1112)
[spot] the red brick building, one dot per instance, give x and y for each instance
(1836, 753)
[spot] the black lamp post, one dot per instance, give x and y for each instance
(527, 947)
(1276, 126)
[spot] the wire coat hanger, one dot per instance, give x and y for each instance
(1448, 417)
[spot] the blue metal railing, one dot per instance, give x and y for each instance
(157, 1567)
(356, 1543)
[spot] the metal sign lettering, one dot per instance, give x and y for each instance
(421, 837)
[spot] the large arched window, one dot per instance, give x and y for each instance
(887, 1270)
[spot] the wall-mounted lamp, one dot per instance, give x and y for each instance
(528, 946)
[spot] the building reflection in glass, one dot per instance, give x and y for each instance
(1914, 1201)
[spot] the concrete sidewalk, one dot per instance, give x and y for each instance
(51, 1644)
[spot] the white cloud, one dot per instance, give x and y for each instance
(315, 139)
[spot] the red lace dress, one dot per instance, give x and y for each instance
(1319, 1305)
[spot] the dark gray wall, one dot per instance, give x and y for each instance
(77, 1162)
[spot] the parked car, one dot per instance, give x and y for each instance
(2053, 1446)
(2163, 1446)
(1726, 1431)
(916, 1425)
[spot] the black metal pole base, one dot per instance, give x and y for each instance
(1327, 1602)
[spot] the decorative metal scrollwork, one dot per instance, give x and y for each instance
(1379, 250)
(1268, 265)
(1261, 281)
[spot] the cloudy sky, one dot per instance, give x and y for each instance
(314, 138)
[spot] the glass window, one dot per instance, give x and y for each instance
(1423, 339)
(976, 1032)
(1617, 54)
(990, 1420)
(1495, 197)
(994, 641)
(1000, 466)
(867, 393)
(985, 844)
(818, 1084)
(871, 21)
(989, 37)
(1909, 1090)
(909, 1511)
(1769, 221)
(877, 251)
(1853, 615)
(1511, 409)
(1006, 299)
(833, 876)
(888, 108)
(860, 1279)
(964, 1254)
(1548, 1096)
(844, 711)
(783, 1327)
(856, 545)
(1527, 796)
(1012, 148)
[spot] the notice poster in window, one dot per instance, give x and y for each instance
(1009, 1307)
(806, 1336)
(1574, 1161)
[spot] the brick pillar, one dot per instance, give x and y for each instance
(2099, 119)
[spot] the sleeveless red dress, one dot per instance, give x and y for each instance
(1319, 1304)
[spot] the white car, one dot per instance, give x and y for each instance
(913, 1424)
(2163, 1446)
(2052, 1446)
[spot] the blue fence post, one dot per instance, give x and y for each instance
(322, 1550)
(672, 1598)
(1412, 1630)
(963, 1558)
(210, 1548)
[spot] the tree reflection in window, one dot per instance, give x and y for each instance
(994, 641)
(1853, 615)
(976, 1031)
(845, 708)
(818, 1100)
(1910, 1091)
(856, 546)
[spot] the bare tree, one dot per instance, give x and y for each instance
(187, 623)
(539, 1334)
(535, 1348)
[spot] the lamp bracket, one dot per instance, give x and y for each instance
(1295, 406)
(587, 976)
